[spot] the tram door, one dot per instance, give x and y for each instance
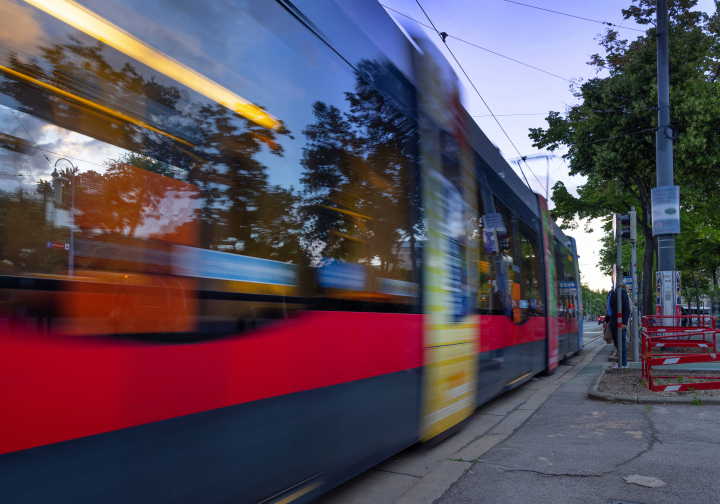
(450, 335)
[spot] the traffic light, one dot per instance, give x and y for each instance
(627, 226)
(624, 226)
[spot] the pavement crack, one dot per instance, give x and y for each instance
(653, 439)
(542, 473)
(394, 472)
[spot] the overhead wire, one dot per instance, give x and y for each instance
(483, 100)
(478, 46)
(28, 134)
(574, 16)
(511, 115)
(614, 137)
(444, 35)
(565, 113)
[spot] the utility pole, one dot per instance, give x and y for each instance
(665, 196)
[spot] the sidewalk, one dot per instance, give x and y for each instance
(423, 474)
(575, 450)
(547, 442)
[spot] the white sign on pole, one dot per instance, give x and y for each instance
(494, 222)
(665, 210)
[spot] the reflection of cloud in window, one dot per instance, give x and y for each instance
(52, 141)
(175, 210)
(18, 27)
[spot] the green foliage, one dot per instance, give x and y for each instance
(594, 302)
(611, 136)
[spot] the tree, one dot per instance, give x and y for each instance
(594, 302)
(610, 135)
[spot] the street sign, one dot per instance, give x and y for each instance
(58, 245)
(567, 288)
(628, 283)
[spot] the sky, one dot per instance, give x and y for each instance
(557, 44)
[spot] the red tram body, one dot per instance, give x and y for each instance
(249, 251)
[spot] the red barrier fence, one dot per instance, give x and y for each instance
(661, 332)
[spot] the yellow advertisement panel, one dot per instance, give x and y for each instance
(451, 330)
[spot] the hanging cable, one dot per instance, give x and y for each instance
(28, 134)
(444, 35)
(613, 137)
(576, 17)
(484, 102)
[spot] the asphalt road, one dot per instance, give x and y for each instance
(423, 474)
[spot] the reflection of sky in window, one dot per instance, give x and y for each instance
(52, 141)
(258, 51)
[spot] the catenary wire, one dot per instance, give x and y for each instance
(446, 35)
(565, 113)
(511, 115)
(28, 134)
(614, 137)
(483, 100)
(576, 17)
(479, 47)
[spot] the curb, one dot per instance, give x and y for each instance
(597, 395)
(440, 481)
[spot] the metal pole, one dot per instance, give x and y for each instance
(71, 255)
(636, 320)
(664, 148)
(618, 291)
(72, 226)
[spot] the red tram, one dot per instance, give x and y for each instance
(248, 251)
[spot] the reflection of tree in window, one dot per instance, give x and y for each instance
(357, 178)
(214, 146)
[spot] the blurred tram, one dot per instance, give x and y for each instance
(248, 250)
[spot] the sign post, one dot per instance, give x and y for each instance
(618, 289)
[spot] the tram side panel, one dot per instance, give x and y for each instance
(551, 286)
(578, 293)
(274, 349)
(510, 297)
(568, 317)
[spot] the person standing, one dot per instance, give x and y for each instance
(611, 318)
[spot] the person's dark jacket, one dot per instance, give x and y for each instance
(613, 307)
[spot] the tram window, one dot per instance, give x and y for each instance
(301, 195)
(566, 285)
(509, 264)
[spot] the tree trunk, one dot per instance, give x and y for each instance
(697, 291)
(648, 279)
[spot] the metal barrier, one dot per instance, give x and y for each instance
(678, 334)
